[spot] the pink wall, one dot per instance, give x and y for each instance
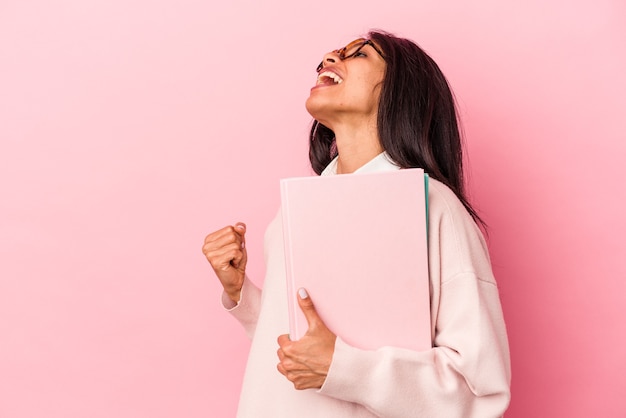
(130, 129)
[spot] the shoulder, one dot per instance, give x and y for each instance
(454, 236)
(443, 202)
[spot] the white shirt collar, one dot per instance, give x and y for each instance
(382, 162)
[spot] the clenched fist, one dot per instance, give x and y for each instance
(226, 251)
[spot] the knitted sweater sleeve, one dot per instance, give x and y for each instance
(467, 372)
(246, 311)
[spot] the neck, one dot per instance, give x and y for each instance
(356, 147)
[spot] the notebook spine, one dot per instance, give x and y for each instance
(293, 323)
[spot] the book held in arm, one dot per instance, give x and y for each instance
(358, 244)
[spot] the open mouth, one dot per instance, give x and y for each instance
(328, 78)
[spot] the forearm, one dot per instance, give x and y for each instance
(466, 374)
(393, 382)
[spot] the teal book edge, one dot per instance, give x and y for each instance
(426, 199)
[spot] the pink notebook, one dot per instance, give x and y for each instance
(358, 244)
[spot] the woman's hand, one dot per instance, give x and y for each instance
(226, 251)
(306, 362)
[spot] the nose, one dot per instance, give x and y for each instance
(329, 58)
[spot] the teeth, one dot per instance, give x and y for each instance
(328, 74)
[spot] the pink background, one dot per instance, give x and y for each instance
(130, 129)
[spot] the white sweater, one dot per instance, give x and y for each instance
(465, 374)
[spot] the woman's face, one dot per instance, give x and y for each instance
(348, 85)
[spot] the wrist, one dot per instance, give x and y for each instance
(235, 296)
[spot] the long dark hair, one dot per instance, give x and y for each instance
(417, 119)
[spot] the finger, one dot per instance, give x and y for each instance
(307, 307)
(229, 255)
(240, 259)
(224, 238)
(221, 246)
(227, 234)
(241, 228)
(284, 359)
(283, 340)
(281, 369)
(224, 254)
(217, 235)
(238, 235)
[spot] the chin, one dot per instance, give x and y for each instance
(319, 109)
(314, 107)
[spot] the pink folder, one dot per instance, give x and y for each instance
(358, 244)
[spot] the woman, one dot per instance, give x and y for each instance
(379, 104)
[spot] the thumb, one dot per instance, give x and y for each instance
(240, 229)
(307, 307)
(240, 262)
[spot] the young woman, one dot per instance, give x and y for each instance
(380, 103)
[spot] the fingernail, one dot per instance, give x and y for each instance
(302, 292)
(240, 226)
(243, 245)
